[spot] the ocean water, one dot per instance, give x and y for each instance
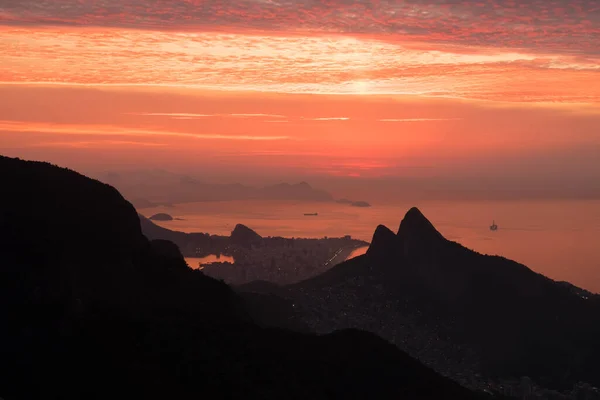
(198, 262)
(560, 239)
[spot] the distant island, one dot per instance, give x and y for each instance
(161, 217)
(344, 201)
(353, 203)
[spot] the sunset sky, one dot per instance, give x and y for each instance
(355, 89)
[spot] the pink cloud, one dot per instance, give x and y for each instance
(571, 26)
(290, 64)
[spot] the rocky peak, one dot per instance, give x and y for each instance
(383, 242)
(244, 236)
(417, 232)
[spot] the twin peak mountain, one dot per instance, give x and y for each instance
(416, 236)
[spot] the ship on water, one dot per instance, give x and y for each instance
(311, 214)
(493, 227)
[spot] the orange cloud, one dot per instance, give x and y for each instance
(110, 130)
(97, 144)
(193, 115)
(312, 64)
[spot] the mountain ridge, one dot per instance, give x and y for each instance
(127, 318)
(479, 313)
(155, 188)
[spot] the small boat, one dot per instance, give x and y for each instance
(311, 214)
(493, 227)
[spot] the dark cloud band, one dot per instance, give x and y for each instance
(546, 25)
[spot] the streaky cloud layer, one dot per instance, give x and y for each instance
(292, 64)
(123, 131)
(418, 119)
(194, 115)
(570, 26)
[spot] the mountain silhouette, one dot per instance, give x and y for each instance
(244, 236)
(383, 240)
(90, 308)
(417, 229)
(151, 188)
(471, 316)
(301, 191)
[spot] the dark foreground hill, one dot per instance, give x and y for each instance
(89, 308)
(474, 317)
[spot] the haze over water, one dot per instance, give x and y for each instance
(556, 238)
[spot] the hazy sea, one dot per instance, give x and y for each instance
(560, 239)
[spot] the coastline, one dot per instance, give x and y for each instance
(344, 255)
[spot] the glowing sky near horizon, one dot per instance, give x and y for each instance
(379, 84)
